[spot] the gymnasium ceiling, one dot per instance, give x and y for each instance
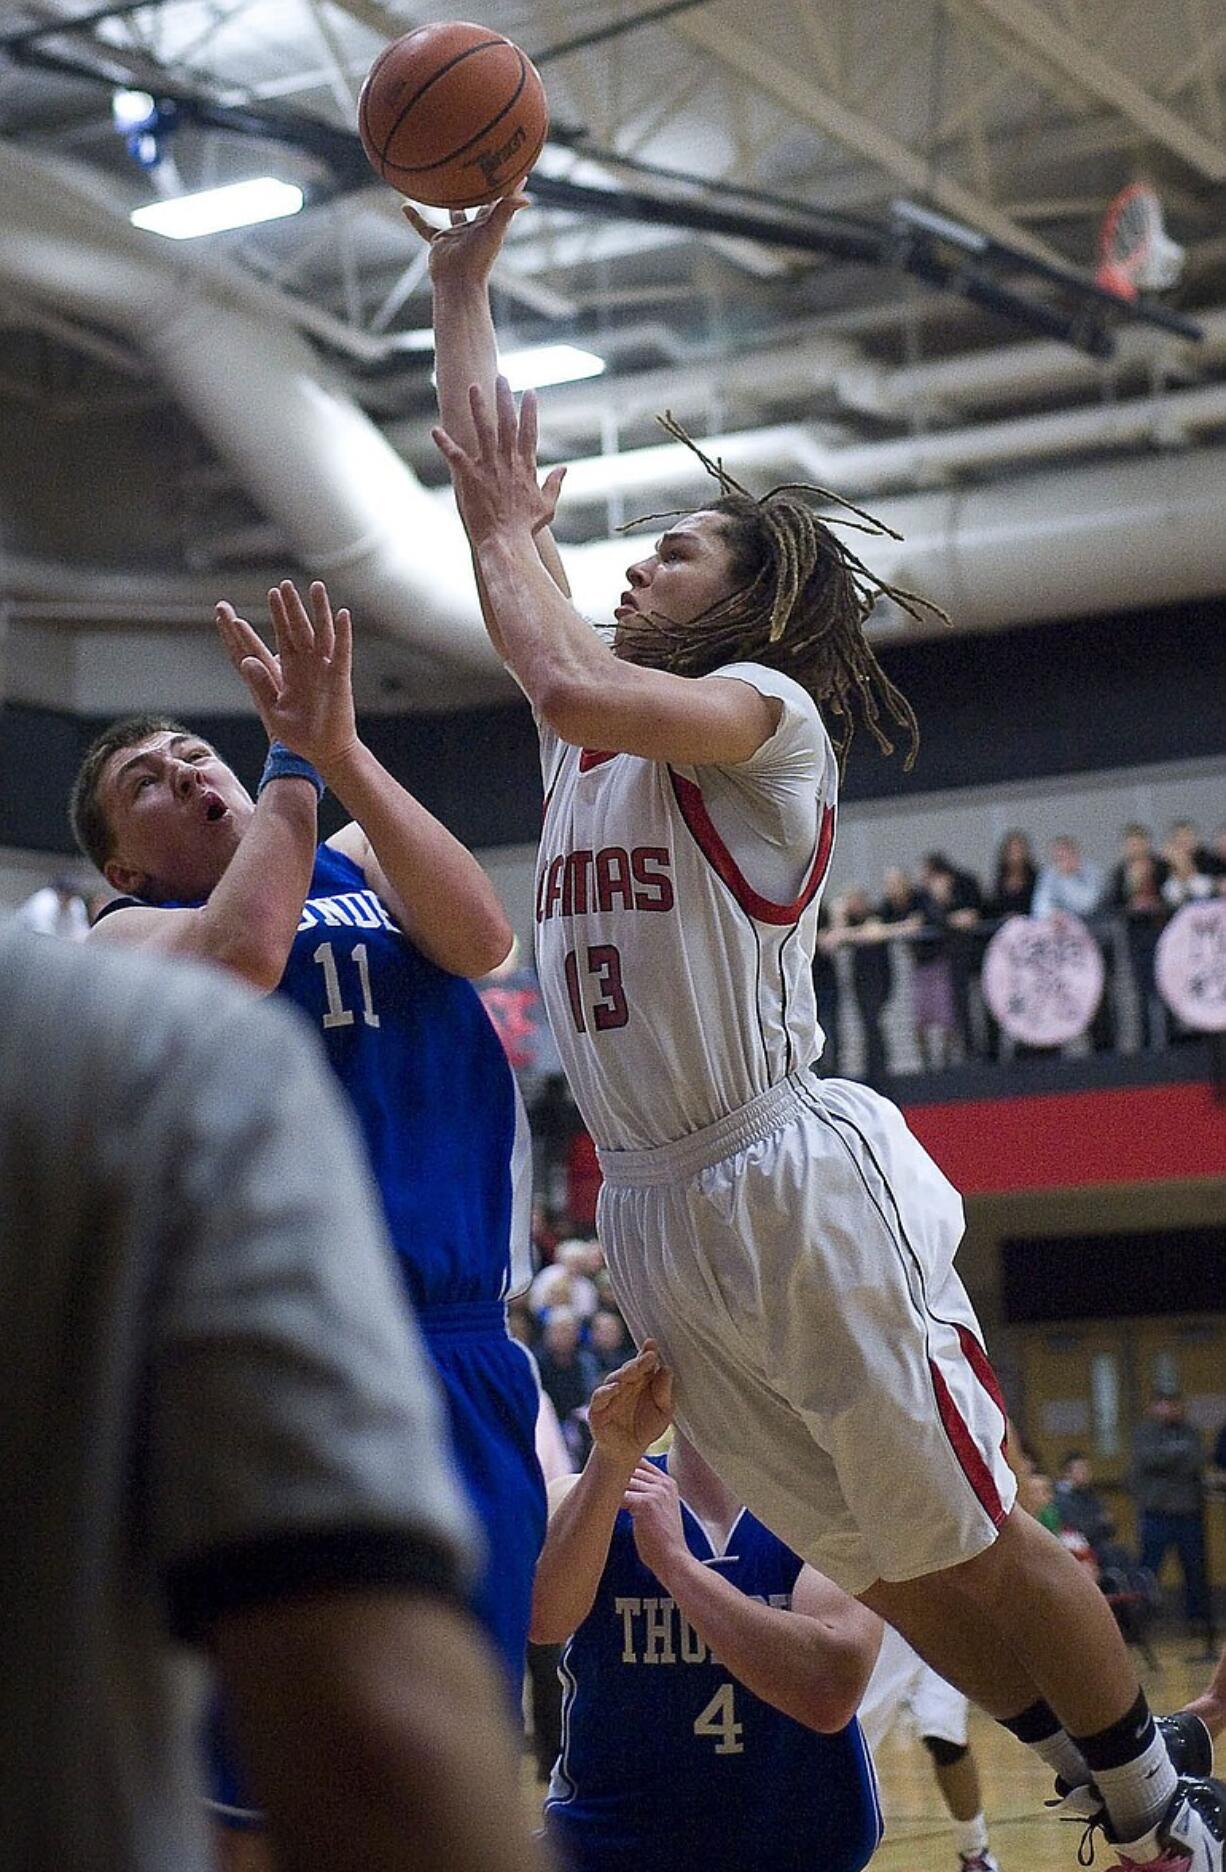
(1019, 118)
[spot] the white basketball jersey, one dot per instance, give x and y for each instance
(676, 989)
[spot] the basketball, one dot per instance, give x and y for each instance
(453, 115)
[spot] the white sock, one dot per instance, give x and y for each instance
(1063, 1757)
(1138, 1793)
(972, 1836)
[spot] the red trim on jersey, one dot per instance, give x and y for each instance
(965, 1448)
(698, 819)
(590, 757)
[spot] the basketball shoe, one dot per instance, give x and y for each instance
(1191, 1836)
(1188, 1743)
(977, 1862)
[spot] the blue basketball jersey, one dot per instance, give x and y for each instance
(669, 1764)
(435, 1098)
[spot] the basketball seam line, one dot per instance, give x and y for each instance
(434, 77)
(412, 169)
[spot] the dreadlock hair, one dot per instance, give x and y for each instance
(801, 602)
(90, 826)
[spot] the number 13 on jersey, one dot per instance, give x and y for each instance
(594, 985)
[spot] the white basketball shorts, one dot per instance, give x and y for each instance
(902, 1687)
(794, 1261)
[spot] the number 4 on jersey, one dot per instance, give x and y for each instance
(718, 1719)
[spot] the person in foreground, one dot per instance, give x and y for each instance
(372, 934)
(711, 1678)
(783, 1237)
(222, 1439)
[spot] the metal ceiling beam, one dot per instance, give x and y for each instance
(828, 115)
(1050, 47)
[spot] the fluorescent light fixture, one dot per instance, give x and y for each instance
(242, 204)
(548, 364)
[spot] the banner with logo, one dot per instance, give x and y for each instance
(1190, 967)
(513, 1002)
(1043, 979)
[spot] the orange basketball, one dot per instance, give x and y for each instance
(453, 115)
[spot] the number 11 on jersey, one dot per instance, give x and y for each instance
(338, 1015)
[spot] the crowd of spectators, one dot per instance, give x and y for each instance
(1170, 1478)
(945, 916)
(570, 1323)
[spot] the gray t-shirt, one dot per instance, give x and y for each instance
(211, 1392)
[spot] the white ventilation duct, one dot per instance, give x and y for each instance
(1064, 543)
(311, 459)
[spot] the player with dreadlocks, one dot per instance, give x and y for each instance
(782, 1238)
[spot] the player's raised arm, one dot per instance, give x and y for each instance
(588, 696)
(812, 1662)
(171, 822)
(462, 257)
(626, 1415)
(432, 884)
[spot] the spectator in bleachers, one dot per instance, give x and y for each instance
(900, 905)
(566, 1282)
(1015, 878)
(1068, 882)
(1081, 1506)
(1168, 1483)
(1187, 881)
(963, 912)
(1183, 835)
(933, 1002)
(872, 977)
(569, 1373)
(1136, 890)
(609, 1341)
(58, 909)
(1074, 886)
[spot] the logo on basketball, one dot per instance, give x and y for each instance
(1191, 965)
(1043, 979)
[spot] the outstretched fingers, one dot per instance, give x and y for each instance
(417, 221)
(483, 424)
(295, 634)
(528, 428)
(321, 612)
(342, 653)
(243, 643)
(508, 421)
(456, 458)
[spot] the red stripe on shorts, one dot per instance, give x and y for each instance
(964, 1446)
(980, 1364)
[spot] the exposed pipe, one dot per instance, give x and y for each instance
(309, 457)
(802, 362)
(907, 461)
(1065, 543)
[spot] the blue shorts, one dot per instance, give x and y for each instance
(491, 1394)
